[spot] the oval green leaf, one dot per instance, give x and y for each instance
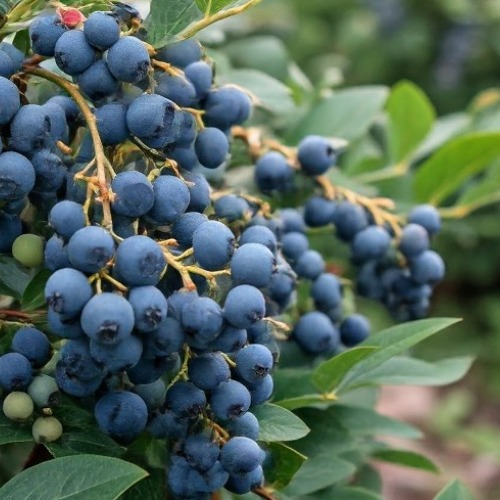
(278, 424)
(80, 477)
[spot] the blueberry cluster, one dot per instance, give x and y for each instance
(164, 295)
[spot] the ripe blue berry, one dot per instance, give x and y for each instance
(315, 155)
(253, 264)
(128, 60)
(33, 344)
(102, 30)
(73, 53)
(253, 363)
(213, 245)
(354, 329)
(240, 455)
(133, 194)
(10, 100)
(244, 306)
(208, 370)
(15, 372)
(17, 176)
(230, 400)
(315, 333)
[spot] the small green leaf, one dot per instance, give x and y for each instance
(34, 296)
(391, 342)
(167, 19)
(271, 94)
(278, 424)
(347, 114)
(411, 371)
(455, 490)
(461, 158)
(366, 422)
(303, 401)
(13, 277)
(282, 465)
(13, 432)
(411, 116)
(82, 477)
(407, 459)
(328, 375)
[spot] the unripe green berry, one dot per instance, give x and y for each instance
(28, 250)
(44, 391)
(18, 406)
(46, 429)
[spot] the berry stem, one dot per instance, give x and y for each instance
(100, 157)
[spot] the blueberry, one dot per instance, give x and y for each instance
(319, 211)
(200, 452)
(253, 264)
(44, 391)
(273, 173)
(73, 54)
(10, 100)
(292, 221)
(240, 455)
(414, 240)
(133, 194)
(326, 292)
(245, 482)
(77, 362)
(229, 340)
(185, 226)
(17, 176)
(122, 415)
(128, 60)
(208, 370)
(101, 29)
(349, 219)
(139, 261)
(90, 249)
(176, 88)
(247, 426)
(261, 391)
(244, 306)
(14, 53)
(49, 170)
(213, 245)
(200, 74)
(231, 207)
(150, 307)
(225, 107)
(111, 123)
(115, 358)
(67, 291)
(259, 234)
(97, 82)
(211, 146)
(354, 329)
(202, 320)
(199, 190)
(30, 129)
(185, 400)
(15, 372)
(428, 217)
(428, 267)
(315, 333)
(370, 243)
(153, 393)
(315, 155)
(230, 400)
(181, 53)
(310, 265)
(166, 424)
(44, 32)
(171, 199)
(149, 370)
(253, 363)
(294, 245)
(108, 318)
(66, 218)
(33, 344)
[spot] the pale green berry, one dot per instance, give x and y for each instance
(18, 406)
(44, 391)
(46, 429)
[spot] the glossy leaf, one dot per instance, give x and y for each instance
(282, 465)
(329, 374)
(13, 432)
(34, 296)
(407, 459)
(347, 114)
(411, 116)
(278, 424)
(458, 160)
(391, 342)
(82, 477)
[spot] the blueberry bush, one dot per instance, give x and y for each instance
(187, 246)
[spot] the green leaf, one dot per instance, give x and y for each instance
(303, 401)
(34, 296)
(347, 114)
(292, 382)
(320, 470)
(167, 19)
(13, 277)
(455, 490)
(271, 94)
(151, 488)
(328, 375)
(282, 465)
(411, 371)
(209, 7)
(13, 432)
(82, 477)
(80, 441)
(445, 171)
(391, 342)
(407, 459)
(411, 116)
(366, 422)
(343, 493)
(278, 424)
